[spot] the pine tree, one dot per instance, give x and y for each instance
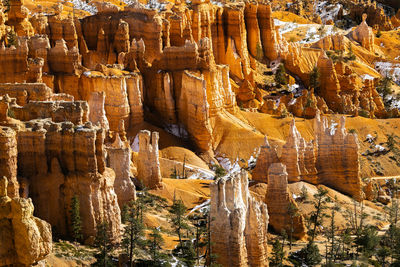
(280, 75)
(133, 232)
(331, 233)
(308, 256)
(178, 219)
(314, 79)
(103, 245)
(352, 56)
(155, 242)
(76, 222)
(277, 254)
(293, 212)
(12, 38)
(317, 215)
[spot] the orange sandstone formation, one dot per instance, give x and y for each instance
(148, 165)
(24, 239)
(314, 161)
(364, 35)
(60, 160)
(278, 201)
(119, 159)
(239, 230)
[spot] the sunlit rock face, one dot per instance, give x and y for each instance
(330, 159)
(239, 230)
(24, 239)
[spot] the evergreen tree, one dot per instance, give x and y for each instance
(293, 212)
(277, 254)
(12, 38)
(384, 88)
(200, 224)
(368, 241)
(178, 219)
(76, 222)
(331, 232)
(352, 56)
(155, 242)
(317, 215)
(103, 245)
(314, 79)
(6, 4)
(280, 75)
(133, 232)
(308, 256)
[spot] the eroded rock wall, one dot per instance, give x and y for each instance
(239, 230)
(24, 239)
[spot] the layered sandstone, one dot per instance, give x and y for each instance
(364, 35)
(60, 160)
(330, 159)
(239, 230)
(148, 165)
(97, 113)
(281, 204)
(119, 159)
(18, 18)
(8, 160)
(337, 159)
(59, 111)
(24, 239)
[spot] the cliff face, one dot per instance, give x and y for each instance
(239, 231)
(337, 159)
(8, 160)
(119, 159)
(148, 165)
(330, 159)
(60, 160)
(279, 203)
(364, 35)
(24, 239)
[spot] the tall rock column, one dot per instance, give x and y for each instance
(337, 161)
(24, 239)
(8, 160)
(278, 201)
(239, 231)
(148, 166)
(119, 159)
(97, 114)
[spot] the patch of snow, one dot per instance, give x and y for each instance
(369, 138)
(332, 128)
(382, 45)
(327, 11)
(367, 77)
(225, 163)
(277, 104)
(314, 35)
(389, 69)
(135, 144)
(154, 4)
(380, 148)
(82, 5)
(177, 130)
(292, 102)
(252, 161)
(295, 196)
(200, 206)
(286, 26)
(87, 73)
(294, 87)
(217, 3)
(201, 174)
